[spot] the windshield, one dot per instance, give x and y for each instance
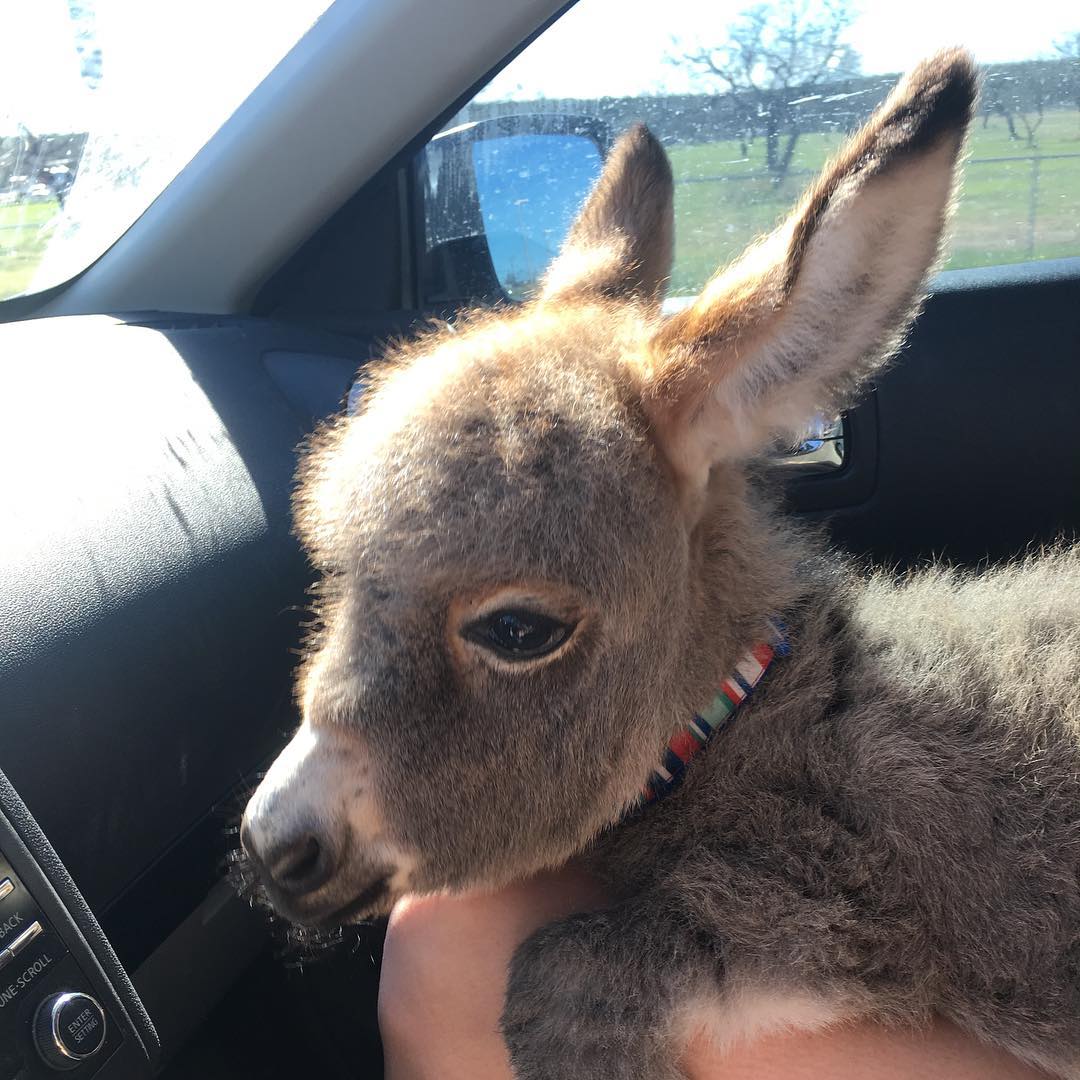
(103, 102)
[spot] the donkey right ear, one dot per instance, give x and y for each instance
(621, 244)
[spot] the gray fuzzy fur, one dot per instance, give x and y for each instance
(891, 826)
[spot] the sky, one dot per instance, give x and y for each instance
(616, 47)
(188, 63)
(182, 63)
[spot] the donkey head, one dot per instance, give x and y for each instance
(538, 556)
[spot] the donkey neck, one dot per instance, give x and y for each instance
(745, 558)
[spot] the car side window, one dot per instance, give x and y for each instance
(750, 102)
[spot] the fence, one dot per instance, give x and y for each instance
(988, 210)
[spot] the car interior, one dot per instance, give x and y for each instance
(153, 597)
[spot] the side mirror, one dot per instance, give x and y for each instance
(499, 198)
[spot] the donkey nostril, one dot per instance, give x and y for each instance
(298, 863)
(302, 866)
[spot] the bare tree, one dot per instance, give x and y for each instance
(1020, 94)
(772, 50)
(1033, 98)
(997, 100)
(1068, 45)
(1068, 48)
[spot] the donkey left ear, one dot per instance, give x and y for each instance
(621, 244)
(812, 310)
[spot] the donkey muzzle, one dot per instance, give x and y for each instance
(314, 837)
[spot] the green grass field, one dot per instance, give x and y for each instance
(24, 235)
(994, 222)
(1010, 211)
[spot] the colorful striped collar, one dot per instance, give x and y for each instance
(691, 739)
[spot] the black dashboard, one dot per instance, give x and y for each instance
(152, 596)
(66, 1003)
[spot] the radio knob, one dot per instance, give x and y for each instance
(68, 1029)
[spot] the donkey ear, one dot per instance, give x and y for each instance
(814, 308)
(620, 246)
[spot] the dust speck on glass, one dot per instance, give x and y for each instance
(750, 100)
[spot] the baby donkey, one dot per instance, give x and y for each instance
(549, 579)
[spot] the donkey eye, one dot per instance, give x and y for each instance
(518, 635)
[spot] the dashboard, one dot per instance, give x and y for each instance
(152, 599)
(66, 1004)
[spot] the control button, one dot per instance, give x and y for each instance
(7, 887)
(68, 1029)
(35, 929)
(24, 939)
